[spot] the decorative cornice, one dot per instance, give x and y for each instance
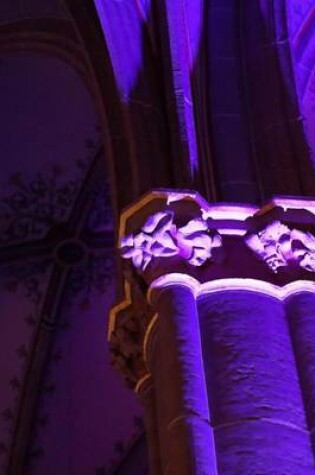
(229, 217)
(183, 227)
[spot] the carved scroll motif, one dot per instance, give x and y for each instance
(279, 246)
(160, 237)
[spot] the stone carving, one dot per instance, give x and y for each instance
(279, 246)
(126, 348)
(154, 240)
(160, 237)
(126, 339)
(195, 243)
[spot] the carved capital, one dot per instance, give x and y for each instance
(279, 246)
(180, 234)
(160, 237)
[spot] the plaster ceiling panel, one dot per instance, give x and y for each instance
(22, 291)
(89, 413)
(12, 10)
(47, 140)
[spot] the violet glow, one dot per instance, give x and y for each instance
(223, 211)
(247, 350)
(160, 237)
(253, 384)
(293, 203)
(245, 391)
(127, 57)
(229, 212)
(300, 18)
(278, 245)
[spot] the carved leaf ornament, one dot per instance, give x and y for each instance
(160, 237)
(276, 244)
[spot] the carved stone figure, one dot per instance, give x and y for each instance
(160, 237)
(279, 246)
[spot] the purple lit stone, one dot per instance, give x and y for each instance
(159, 237)
(186, 437)
(253, 386)
(301, 315)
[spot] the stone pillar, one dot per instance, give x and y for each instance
(253, 385)
(146, 393)
(301, 314)
(177, 371)
(204, 317)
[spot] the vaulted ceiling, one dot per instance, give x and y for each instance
(63, 408)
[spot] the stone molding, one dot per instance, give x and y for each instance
(200, 289)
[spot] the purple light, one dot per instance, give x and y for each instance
(291, 203)
(223, 285)
(126, 56)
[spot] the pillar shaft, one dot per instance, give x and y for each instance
(147, 396)
(187, 439)
(231, 355)
(253, 386)
(301, 315)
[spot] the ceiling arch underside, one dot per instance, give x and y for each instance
(202, 96)
(56, 257)
(301, 21)
(49, 36)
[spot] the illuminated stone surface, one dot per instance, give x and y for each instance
(278, 246)
(253, 385)
(226, 344)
